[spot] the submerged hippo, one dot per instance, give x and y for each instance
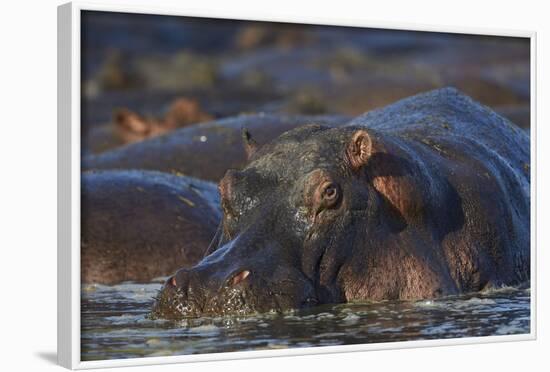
(424, 198)
(141, 225)
(204, 151)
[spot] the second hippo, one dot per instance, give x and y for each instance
(140, 225)
(204, 151)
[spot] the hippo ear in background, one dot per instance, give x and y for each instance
(250, 146)
(129, 121)
(359, 149)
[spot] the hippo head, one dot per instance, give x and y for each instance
(290, 224)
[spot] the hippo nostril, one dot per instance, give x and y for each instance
(171, 281)
(240, 277)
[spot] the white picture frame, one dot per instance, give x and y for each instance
(69, 189)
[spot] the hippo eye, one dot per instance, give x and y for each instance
(330, 193)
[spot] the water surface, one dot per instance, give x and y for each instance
(115, 324)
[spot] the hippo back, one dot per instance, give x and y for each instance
(140, 225)
(206, 150)
(444, 115)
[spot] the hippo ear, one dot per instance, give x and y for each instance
(250, 146)
(359, 149)
(129, 121)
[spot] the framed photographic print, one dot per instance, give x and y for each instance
(237, 188)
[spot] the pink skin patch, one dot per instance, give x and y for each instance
(240, 277)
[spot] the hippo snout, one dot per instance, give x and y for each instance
(247, 273)
(197, 292)
(208, 290)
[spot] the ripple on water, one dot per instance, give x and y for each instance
(115, 323)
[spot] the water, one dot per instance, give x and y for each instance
(115, 323)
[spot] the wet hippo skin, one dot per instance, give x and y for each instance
(424, 198)
(140, 225)
(204, 151)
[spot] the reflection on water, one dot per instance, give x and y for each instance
(115, 323)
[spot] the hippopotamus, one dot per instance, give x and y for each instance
(427, 197)
(132, 127)
(204, 151)
(127, 126)
(141, 225)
